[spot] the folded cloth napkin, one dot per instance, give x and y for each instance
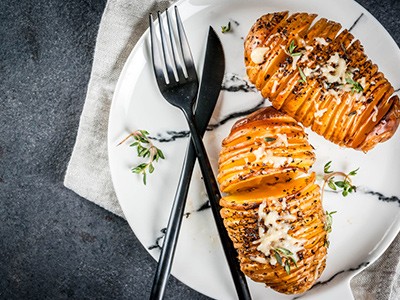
(88, 173)
(381, 280)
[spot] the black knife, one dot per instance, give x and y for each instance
(213, 72)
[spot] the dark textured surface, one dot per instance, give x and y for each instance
(53, 243)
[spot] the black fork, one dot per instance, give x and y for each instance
(177, 80)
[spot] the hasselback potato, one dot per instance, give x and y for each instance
(272, 207)
(317, 73)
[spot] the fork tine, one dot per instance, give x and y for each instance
(178, 66)
(185, 49)
(155, 52)
(165, 51)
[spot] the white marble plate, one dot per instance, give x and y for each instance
(365, 222)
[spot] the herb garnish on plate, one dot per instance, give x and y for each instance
(146, 149)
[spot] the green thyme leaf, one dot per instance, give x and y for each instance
(146, 153)
(327, 166)
(278, 257)
(269, 139)
(292, 46)
(151, 168)
(141, 150)
(144, 178)
(329, 221)
(284, 251)
(332, 185)
(139, 168)
(160, 154)
(226, 28)
(356, 87)
(354, 172)
(340, 184)
(287, 267)
(352, 189)
(327, 243)
(303, 77)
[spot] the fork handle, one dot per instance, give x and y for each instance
(214, 196)
(174, 224)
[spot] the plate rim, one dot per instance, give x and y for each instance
(142, 40)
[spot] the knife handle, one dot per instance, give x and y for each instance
(214, 196)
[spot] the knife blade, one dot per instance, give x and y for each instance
(211, 80)
(210, 86)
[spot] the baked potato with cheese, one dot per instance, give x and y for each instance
(272, 207)
(317, 73)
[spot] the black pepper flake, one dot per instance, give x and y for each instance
(300, 255)
(352, 113)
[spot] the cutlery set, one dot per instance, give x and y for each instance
(178, 83)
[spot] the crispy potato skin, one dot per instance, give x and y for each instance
(344, 119)
(285, 187)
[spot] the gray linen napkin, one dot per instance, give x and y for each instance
(381, 280)
(88, 174)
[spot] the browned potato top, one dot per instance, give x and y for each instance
(320, 76)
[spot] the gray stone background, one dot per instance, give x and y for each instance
(53, 243)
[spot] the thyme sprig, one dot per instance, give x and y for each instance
(291, 48)
(281, 253)
(329, 221)
(328, 225)
(356, 86)
(344, 185)
(145, 149)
